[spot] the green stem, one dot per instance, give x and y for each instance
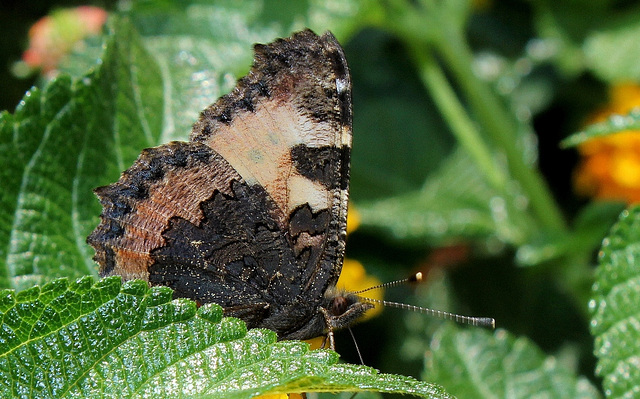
(501, 128)
(434, 27)
(460, 123)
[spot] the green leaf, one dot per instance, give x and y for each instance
(473, 363)
(63, 141)
(563, 26)
(615, 307)
(456, 202)
(201, 49)
(589, 228)
(389, 98)
(612, 50)
(82, 339)
(613, 124)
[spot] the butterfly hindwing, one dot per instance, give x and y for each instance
(166, 181)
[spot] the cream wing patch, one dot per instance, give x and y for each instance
(266, 159)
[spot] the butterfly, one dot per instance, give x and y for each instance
(251, 212)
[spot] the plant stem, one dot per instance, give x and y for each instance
(501, 128)
(461, 125)
(435, 28)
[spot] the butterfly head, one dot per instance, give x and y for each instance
(341, 308)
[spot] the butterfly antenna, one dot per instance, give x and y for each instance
(413, 279)
(473, 321)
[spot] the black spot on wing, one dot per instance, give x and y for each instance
(303, 219)
(339, 63)
(345, 108)
(109, 261)
(238, 257)
(118, 210)
(327, 165)
(134, 190)
(259, 88)
(245, 103)
(224, 116)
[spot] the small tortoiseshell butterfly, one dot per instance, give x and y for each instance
(250, 213)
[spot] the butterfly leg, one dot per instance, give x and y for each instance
(329, 336)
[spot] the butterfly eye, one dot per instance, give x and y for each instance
(338, 305)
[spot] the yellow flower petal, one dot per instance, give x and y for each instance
(625, 169)
(610, 166)
(353, 219)
(315, 343)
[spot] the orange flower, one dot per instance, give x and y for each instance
(53, 36)
(610, 166)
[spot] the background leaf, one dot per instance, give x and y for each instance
(499, 365)
(615, 307)
(67, 139)
(611, 50)
(474, 210)
(613, 124)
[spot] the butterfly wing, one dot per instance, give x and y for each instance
(287, 127)
(251, 213)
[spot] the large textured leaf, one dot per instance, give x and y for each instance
(474, 363)
(79, 340)
(616, 308)
(63, 141)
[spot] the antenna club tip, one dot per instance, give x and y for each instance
(489, 323)
(416, 277)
